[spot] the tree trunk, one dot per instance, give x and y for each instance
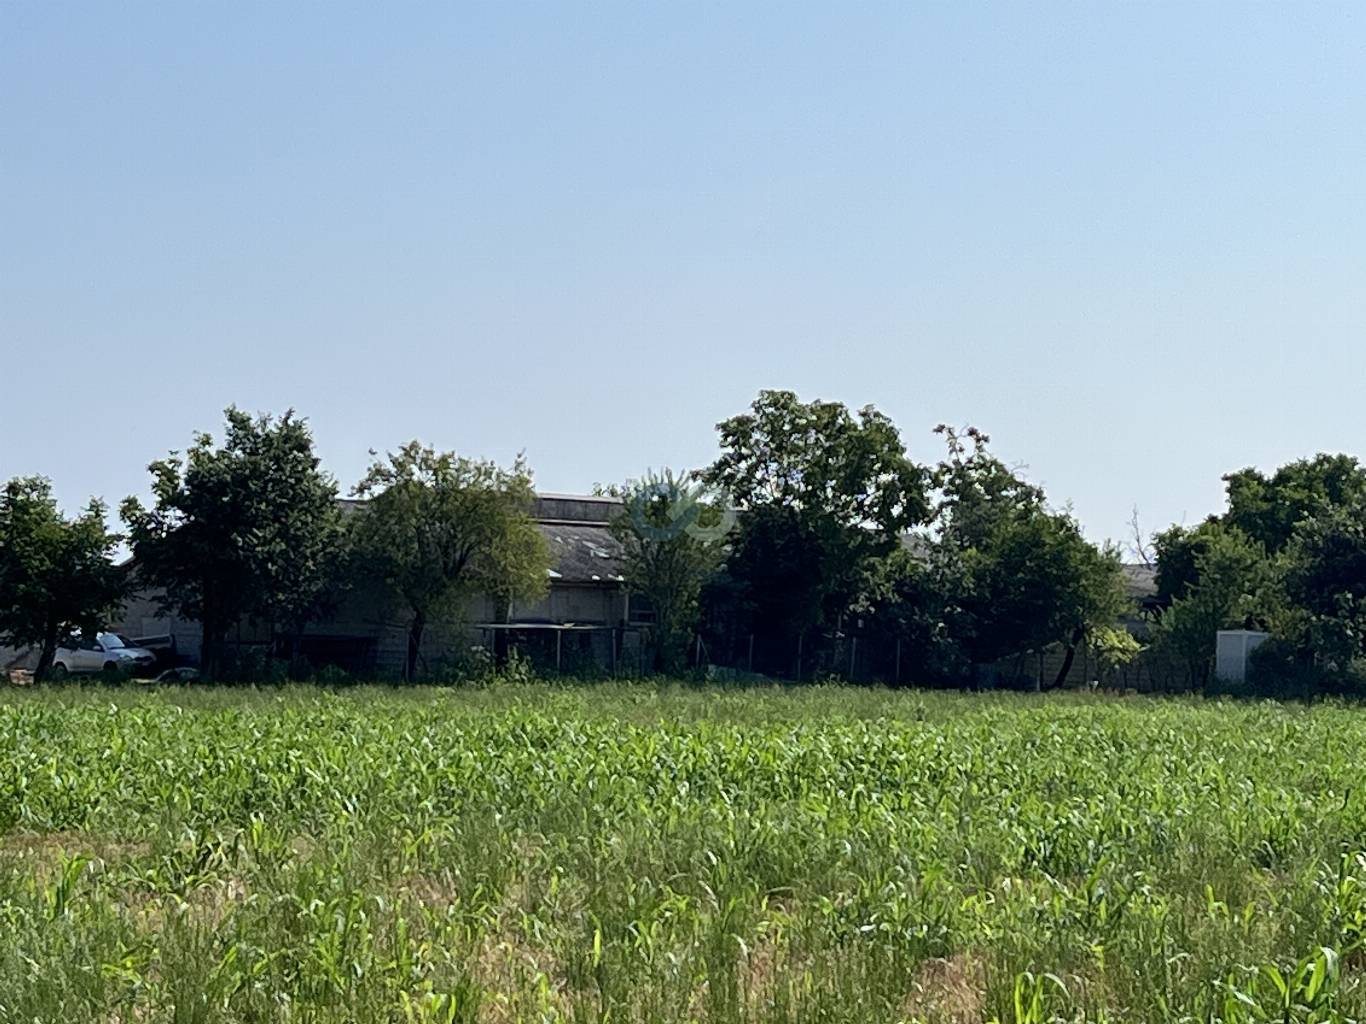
(293, 638)
(46, 655)
(1068, 658)
(660, 643)
(415, 631)
(211, 648)
(213, 638)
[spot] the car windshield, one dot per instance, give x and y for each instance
(110, 641)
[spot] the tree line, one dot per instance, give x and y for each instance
(812, 522)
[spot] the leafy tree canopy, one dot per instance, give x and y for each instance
(1000, 571)
(438, 527)
(245, 529)
(1179, 550)
(1263, 509)
(823, 493)
(1325, 579)
(1232, 589)
(821, 461)
(1267, 509)
(56, 574)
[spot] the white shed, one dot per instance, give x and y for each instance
(1231, 650)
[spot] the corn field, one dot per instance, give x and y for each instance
(663, 853)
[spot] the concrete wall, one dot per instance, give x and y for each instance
(141, 617)
(595, 604)
(366, 621)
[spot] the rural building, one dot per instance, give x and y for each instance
(585, 619)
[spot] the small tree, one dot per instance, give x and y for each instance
(1231, 590)
(1178, 551)
(56, 574)
(1021, 576)
(1113, 648)
(248, 529)
(438, 528)
(672, 545)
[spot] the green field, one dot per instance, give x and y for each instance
(633, 853)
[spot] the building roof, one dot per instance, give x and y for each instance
(583, 552)
(1140, 580)
(601, 499)
(577, 529)
(576, 508)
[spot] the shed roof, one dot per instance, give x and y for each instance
(583, 552)
(577, 529)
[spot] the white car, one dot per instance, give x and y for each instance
(105, 652)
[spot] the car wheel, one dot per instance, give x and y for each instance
(57, 671)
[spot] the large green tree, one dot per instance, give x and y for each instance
(823, 494)
(1279, 558)
(1268, 508)
(1263, 509)
(1002, 572)
(438, 527)
(249, 529)
(1324, 581)
(56, 574)
(672, 540)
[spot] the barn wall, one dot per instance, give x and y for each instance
(367, 619)
(570, 602)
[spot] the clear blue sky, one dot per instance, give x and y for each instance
(1128, 241)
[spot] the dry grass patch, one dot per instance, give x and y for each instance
(947, 990)
(46, 850)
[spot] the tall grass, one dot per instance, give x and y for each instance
(643, 853)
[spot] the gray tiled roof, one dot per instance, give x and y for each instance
(583, 552)
(576, 527)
